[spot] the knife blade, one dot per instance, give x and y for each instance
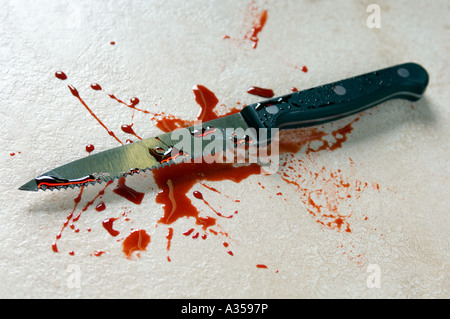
(256, 124)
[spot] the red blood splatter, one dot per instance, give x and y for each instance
(258, 25)
(169, 238)
(218, 192)
(138, 240)
(69, 217)
(198, 195)
(261, 266)
(302, 68)
(61, 75)
(100, 193)
(175, 182)
(133, 102)
(292, 141)
(96, 87)
(187, 233)
(108, 225)
(129, 130)
(324, 194)
(267, 93)
(75, 93)
(127, 192)
(207, 101)
(169, 123)
(90, 148)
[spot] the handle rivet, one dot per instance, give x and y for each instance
(339, 90)
(404, 73)
(272, 109)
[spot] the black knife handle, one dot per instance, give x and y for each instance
(339, 99)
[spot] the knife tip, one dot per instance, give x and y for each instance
(30, 186)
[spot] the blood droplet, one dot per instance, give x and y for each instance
(100, 207)
(90, 148)
(61, 75)
(96, 87)
(198, 195)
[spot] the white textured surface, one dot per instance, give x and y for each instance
(163, 49)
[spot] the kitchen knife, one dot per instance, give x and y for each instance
(300, 109)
